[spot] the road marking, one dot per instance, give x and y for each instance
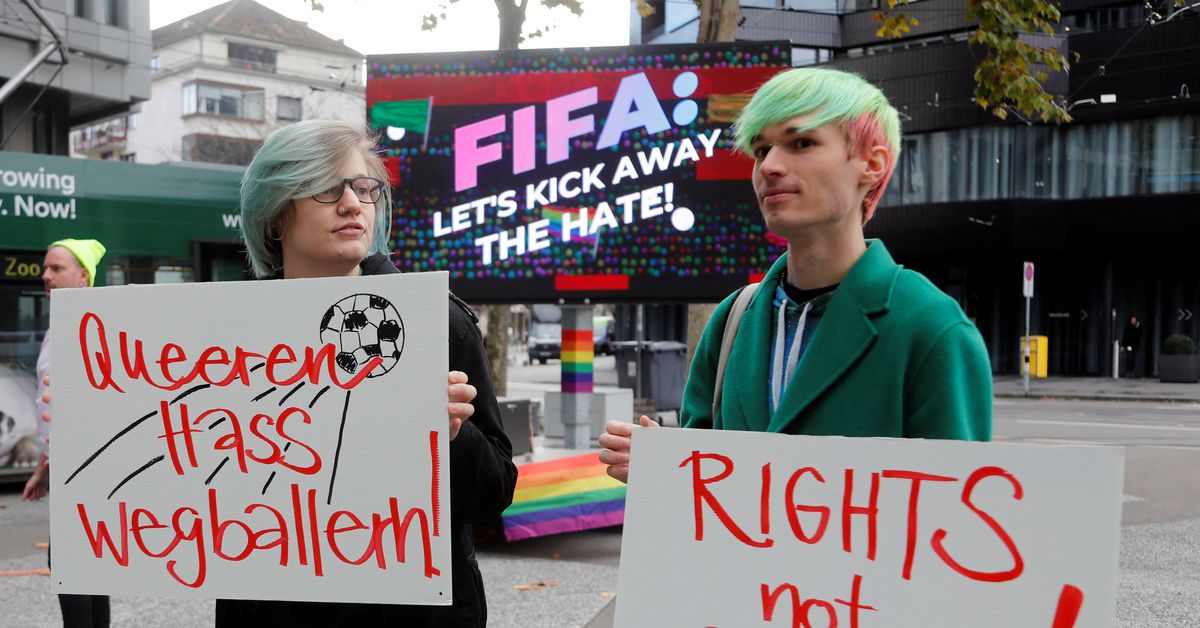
(1099, 424)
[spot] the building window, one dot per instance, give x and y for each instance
(114, 275)
(154, 65)
(218, 149)
(1135, 157)
(250, 57)
(289, 108)
(77, 8)
(222, 100)
(129, 157)
(172, 274)
(111, 12)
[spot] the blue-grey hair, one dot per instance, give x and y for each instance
(298, 161)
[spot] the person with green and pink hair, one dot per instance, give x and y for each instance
(837, 339)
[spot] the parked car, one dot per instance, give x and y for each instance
(545, 341)
(602, 331)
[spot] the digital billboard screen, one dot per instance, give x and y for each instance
(602, 174)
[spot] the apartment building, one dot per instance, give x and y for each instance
(223, 79)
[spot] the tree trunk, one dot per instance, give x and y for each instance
(698, 315)
(496, 345)
(718, 20)
(706, 21)
(730, 13)
(512, 20)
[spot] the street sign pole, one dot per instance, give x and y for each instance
(1027, 365)
(1027, 289)
(1116, 346)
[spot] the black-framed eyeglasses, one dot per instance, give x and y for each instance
(367, 189)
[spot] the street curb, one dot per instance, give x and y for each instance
(1080, 397)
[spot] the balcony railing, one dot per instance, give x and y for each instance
(246, 64)
(86, 142)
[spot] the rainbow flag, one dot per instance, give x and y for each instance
(563, 495)
(555, 228)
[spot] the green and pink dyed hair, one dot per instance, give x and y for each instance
(832, 96)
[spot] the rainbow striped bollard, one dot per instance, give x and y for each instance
(578, 353)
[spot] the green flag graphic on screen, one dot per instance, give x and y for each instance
(411, 115)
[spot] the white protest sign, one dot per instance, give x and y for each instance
(255, 440)
(734, 529)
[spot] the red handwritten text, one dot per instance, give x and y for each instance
(213, 366)
(204, 536)
(181, 443)
(705, 499)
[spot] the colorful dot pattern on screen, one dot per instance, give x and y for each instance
(727, 238)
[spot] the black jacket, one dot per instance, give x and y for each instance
(1132, 337)
(482, 477)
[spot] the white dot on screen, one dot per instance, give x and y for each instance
(682, 218)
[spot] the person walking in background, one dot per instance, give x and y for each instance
(69, 263)
(1131, 342)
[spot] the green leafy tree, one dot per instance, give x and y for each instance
(1011, 77)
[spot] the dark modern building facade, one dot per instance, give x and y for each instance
(1106, 207)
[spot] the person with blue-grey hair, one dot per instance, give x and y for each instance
(315, 202)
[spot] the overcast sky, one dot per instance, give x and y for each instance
(393, 26)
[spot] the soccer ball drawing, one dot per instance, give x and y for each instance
(364, 326)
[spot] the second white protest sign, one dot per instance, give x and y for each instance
(733, 529)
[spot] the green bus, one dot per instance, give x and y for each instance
(160, 224)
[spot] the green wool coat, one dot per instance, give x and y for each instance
(892, 356)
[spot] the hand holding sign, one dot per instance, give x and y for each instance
(46, 400)
(616, 444)
(460, 394)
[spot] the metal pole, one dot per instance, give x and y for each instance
(1027, 365)
(13, 83)
(59, 43)
(1116, 345)
(1116, 352)
(637, 353)
(58, 36)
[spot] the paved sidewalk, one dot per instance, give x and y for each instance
(1101, 388)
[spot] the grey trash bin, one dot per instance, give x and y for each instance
(662, 370)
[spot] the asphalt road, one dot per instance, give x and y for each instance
(1160, 532)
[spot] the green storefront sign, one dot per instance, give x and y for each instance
(134, 209)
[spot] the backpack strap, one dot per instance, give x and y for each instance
(732, 322)
(454, 298)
